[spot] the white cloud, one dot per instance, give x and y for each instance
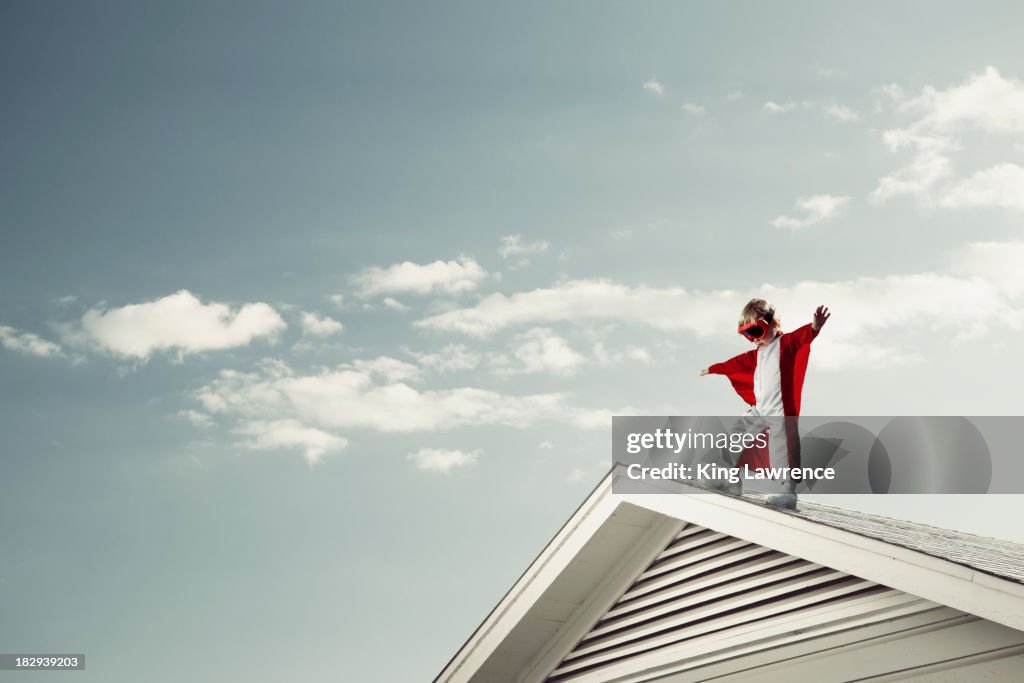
(842, 354)
(197, 418)
(841, 113)
(929, 167)
(541, 350)
(734, 96)
(693, 109)
(639, 354)
(388, 368)
(572, 300)
(179, 321)
(546, 445)
(869, 309)
(337, 299)
(453, 357)
(776, 108)
(442, 460)
(985, 102)
(394, 304)
(449, 277)
(372, 395)
(27, 343)
(893, 91)
(999, 186)
(513, 245)
(320, 326)
(634, 353)
(575, 476)
(815, 209)
(997, 262)
(655, 87)
(602, 356)
(272, 435)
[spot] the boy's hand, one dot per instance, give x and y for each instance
(703, 372)
(821, 316)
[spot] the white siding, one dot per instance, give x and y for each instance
(707, 592)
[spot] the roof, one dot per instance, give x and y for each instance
(993, 556)
(872, 565)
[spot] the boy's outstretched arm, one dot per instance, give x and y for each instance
(740, 371)
(745, 362)
(806, 334)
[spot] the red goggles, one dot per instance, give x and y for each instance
(755, 329)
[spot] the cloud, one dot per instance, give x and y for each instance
(999, 186)
(639, 354)
(997, 262)
(985, 102)
(815, 209)
(693, 109)
(318, 326)
(442, 460)
(841, 354)
(337, 299)
(894, 91)
(929, 167)
(377, 395)
(776, 108)
(28, 343)
(655, 87)
(841, 113)
(449, 277)
(734, 96)
(541, 350)
(181, 322)
(394, 304)
(288, 434)
(453, 357)
(575, 476)
(513, 245)
(573, 300)
(197, 418)
(388, 368)
(634, 353)
(868, 309)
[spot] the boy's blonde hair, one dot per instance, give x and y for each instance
(759, 308)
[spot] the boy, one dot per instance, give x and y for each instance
(770, 379)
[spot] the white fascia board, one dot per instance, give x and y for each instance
(555, 557)
(618, 581)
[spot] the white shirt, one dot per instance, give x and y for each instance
(768, 380)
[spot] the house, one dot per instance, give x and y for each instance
(662, 586)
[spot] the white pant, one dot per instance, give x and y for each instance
(754, 423)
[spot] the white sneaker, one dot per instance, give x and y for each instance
(782, 500)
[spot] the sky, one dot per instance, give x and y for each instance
(313, 318)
